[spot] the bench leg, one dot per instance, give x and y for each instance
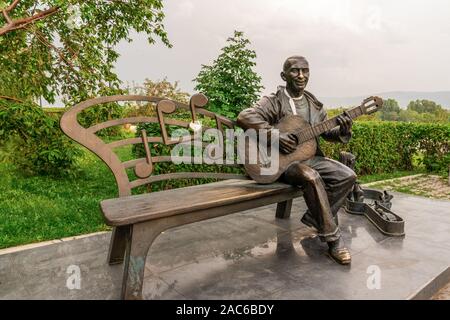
(284, 209)
(139, 241)
(118, 244)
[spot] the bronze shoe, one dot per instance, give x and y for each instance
(339, 253)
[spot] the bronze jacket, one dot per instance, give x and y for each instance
(270, 109)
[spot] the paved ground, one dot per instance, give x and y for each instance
(249, 255)
(426, 185)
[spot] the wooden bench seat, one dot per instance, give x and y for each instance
(224, 194)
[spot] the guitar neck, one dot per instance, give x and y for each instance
(304, 135)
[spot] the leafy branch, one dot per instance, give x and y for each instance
(68, 50)
(22, 23)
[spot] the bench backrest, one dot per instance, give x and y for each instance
(143, 167)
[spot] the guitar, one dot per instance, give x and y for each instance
(266, 169)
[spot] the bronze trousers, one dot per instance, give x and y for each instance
(326, 184)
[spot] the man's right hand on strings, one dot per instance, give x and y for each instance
(288, 142)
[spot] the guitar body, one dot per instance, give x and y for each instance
(303, 152)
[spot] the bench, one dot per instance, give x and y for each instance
(138, 219)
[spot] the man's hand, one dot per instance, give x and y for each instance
(345, 124)
(288, 142)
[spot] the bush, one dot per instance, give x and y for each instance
(33, 140)
(391, 146)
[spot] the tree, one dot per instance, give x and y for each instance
(428, 111)
(424, 106)
(160, 88)
(65, 48)
(165, 89)
(390, 110)
(230, 82)
(408, 116)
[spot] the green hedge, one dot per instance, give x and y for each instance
(391, 146)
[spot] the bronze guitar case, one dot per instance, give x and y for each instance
(376, 208)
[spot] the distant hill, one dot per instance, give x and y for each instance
(402, 97)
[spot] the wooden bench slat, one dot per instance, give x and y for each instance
(132, 209)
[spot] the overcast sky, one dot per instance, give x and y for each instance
(353, 47)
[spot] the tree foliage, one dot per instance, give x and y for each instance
(33, 141)
(159, 88)
(162, 88)
(390, 110)
(417, 111)
(69, 50)
(425, 111)
(230, 83)
(424, 106)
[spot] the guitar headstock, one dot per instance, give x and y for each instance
(371, 105)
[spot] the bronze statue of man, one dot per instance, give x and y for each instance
(326, 182)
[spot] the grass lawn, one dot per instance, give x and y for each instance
(34, 209)
(40, 208)
(385, 176)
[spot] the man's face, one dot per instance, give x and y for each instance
(296, 75)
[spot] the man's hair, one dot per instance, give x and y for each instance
(287, 63)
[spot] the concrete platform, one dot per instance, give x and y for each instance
(249, 255)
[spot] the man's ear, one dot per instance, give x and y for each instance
(283, 76)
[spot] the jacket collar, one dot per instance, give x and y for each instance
(316, 103)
